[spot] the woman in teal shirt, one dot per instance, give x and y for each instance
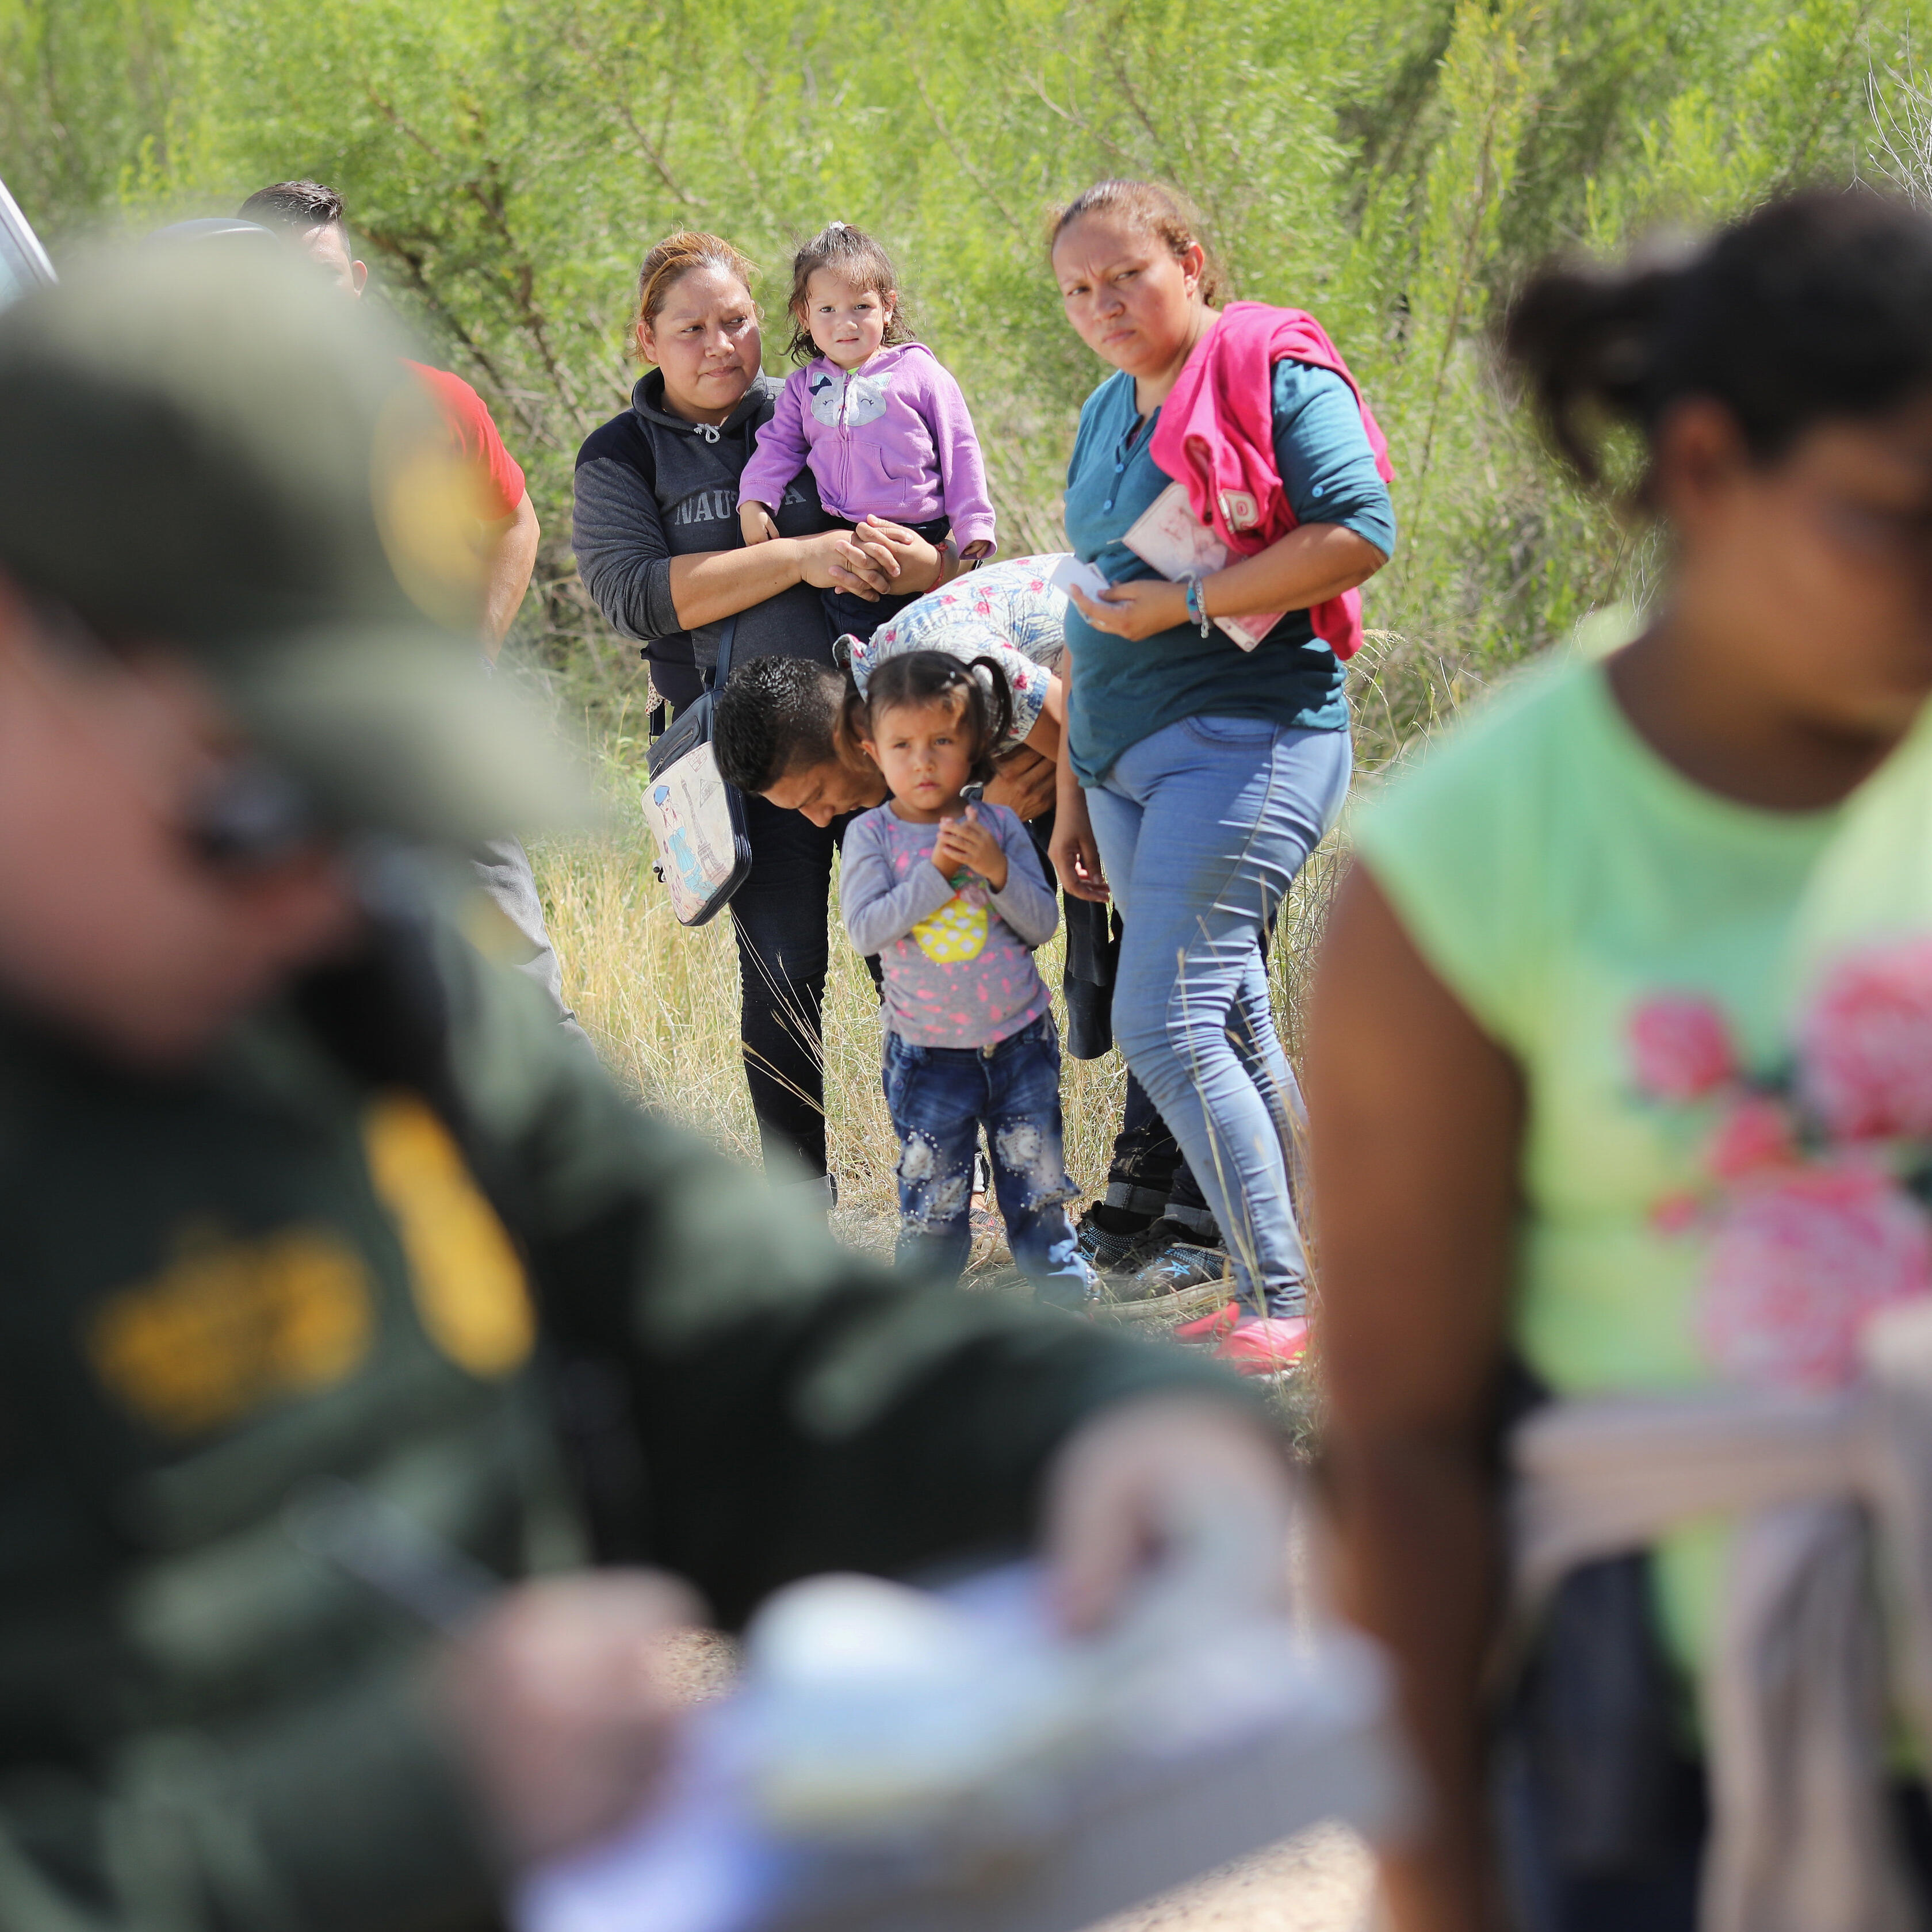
(1200, 776)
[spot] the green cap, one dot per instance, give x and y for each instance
(221, 454)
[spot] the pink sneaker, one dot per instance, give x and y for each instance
(1209, 1327)
(1265, 1345)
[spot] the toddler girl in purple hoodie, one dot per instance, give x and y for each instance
(882, 426)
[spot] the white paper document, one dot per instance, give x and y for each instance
(1169, 535)
(900, 1761)
(1070, 574)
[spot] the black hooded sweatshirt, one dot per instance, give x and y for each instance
(651, 487)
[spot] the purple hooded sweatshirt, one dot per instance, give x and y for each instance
(892, 439)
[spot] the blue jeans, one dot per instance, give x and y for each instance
(1202, 828)
(939, 1097)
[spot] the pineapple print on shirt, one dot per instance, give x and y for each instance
(958, 930)
(960, 974)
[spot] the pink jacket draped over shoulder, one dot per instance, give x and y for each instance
(1216, 437)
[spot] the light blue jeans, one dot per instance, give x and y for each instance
(1201, 829)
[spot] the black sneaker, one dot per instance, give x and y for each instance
(1112, 1239)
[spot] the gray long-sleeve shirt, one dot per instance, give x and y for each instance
(649, 487)
(958, 956)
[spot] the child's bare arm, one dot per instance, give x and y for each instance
(1418, 1123)
(755, 520)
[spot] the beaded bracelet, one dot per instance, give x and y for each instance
(1197, 604)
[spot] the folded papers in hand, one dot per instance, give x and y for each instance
(899, 1761)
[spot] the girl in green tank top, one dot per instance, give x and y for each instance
(1621, 1048)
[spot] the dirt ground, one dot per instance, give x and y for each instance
(1320, 1881)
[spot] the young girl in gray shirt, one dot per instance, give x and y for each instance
(950, 896)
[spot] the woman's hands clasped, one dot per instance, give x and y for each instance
(878, 558)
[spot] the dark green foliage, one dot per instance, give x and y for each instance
(1395, 166)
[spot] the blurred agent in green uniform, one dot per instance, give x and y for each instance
(294, 1186)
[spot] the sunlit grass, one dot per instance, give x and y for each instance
(661, 1002)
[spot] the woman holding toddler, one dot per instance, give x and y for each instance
(661, 547)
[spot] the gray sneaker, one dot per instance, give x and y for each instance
(1182, 1265)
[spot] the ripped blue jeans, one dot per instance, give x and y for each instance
(939, 1097)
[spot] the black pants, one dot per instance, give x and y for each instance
(852, 616)
(1660, 1894)
(1148, 1173)
(779, 916)
(1601, 1818)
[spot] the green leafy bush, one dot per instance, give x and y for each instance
(1394, 166)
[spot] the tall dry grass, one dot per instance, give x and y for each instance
(661, 1002)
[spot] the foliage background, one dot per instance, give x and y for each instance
(1394, 165)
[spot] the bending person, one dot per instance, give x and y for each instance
(788, 731)
(659, 548)
(1200, 775)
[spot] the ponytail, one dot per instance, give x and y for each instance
(1000, 708)
(1815, 307)
(1584, 341)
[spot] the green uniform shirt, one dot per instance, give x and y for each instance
(404, 1231)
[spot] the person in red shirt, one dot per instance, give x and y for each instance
(508, 537)
(507, 531)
